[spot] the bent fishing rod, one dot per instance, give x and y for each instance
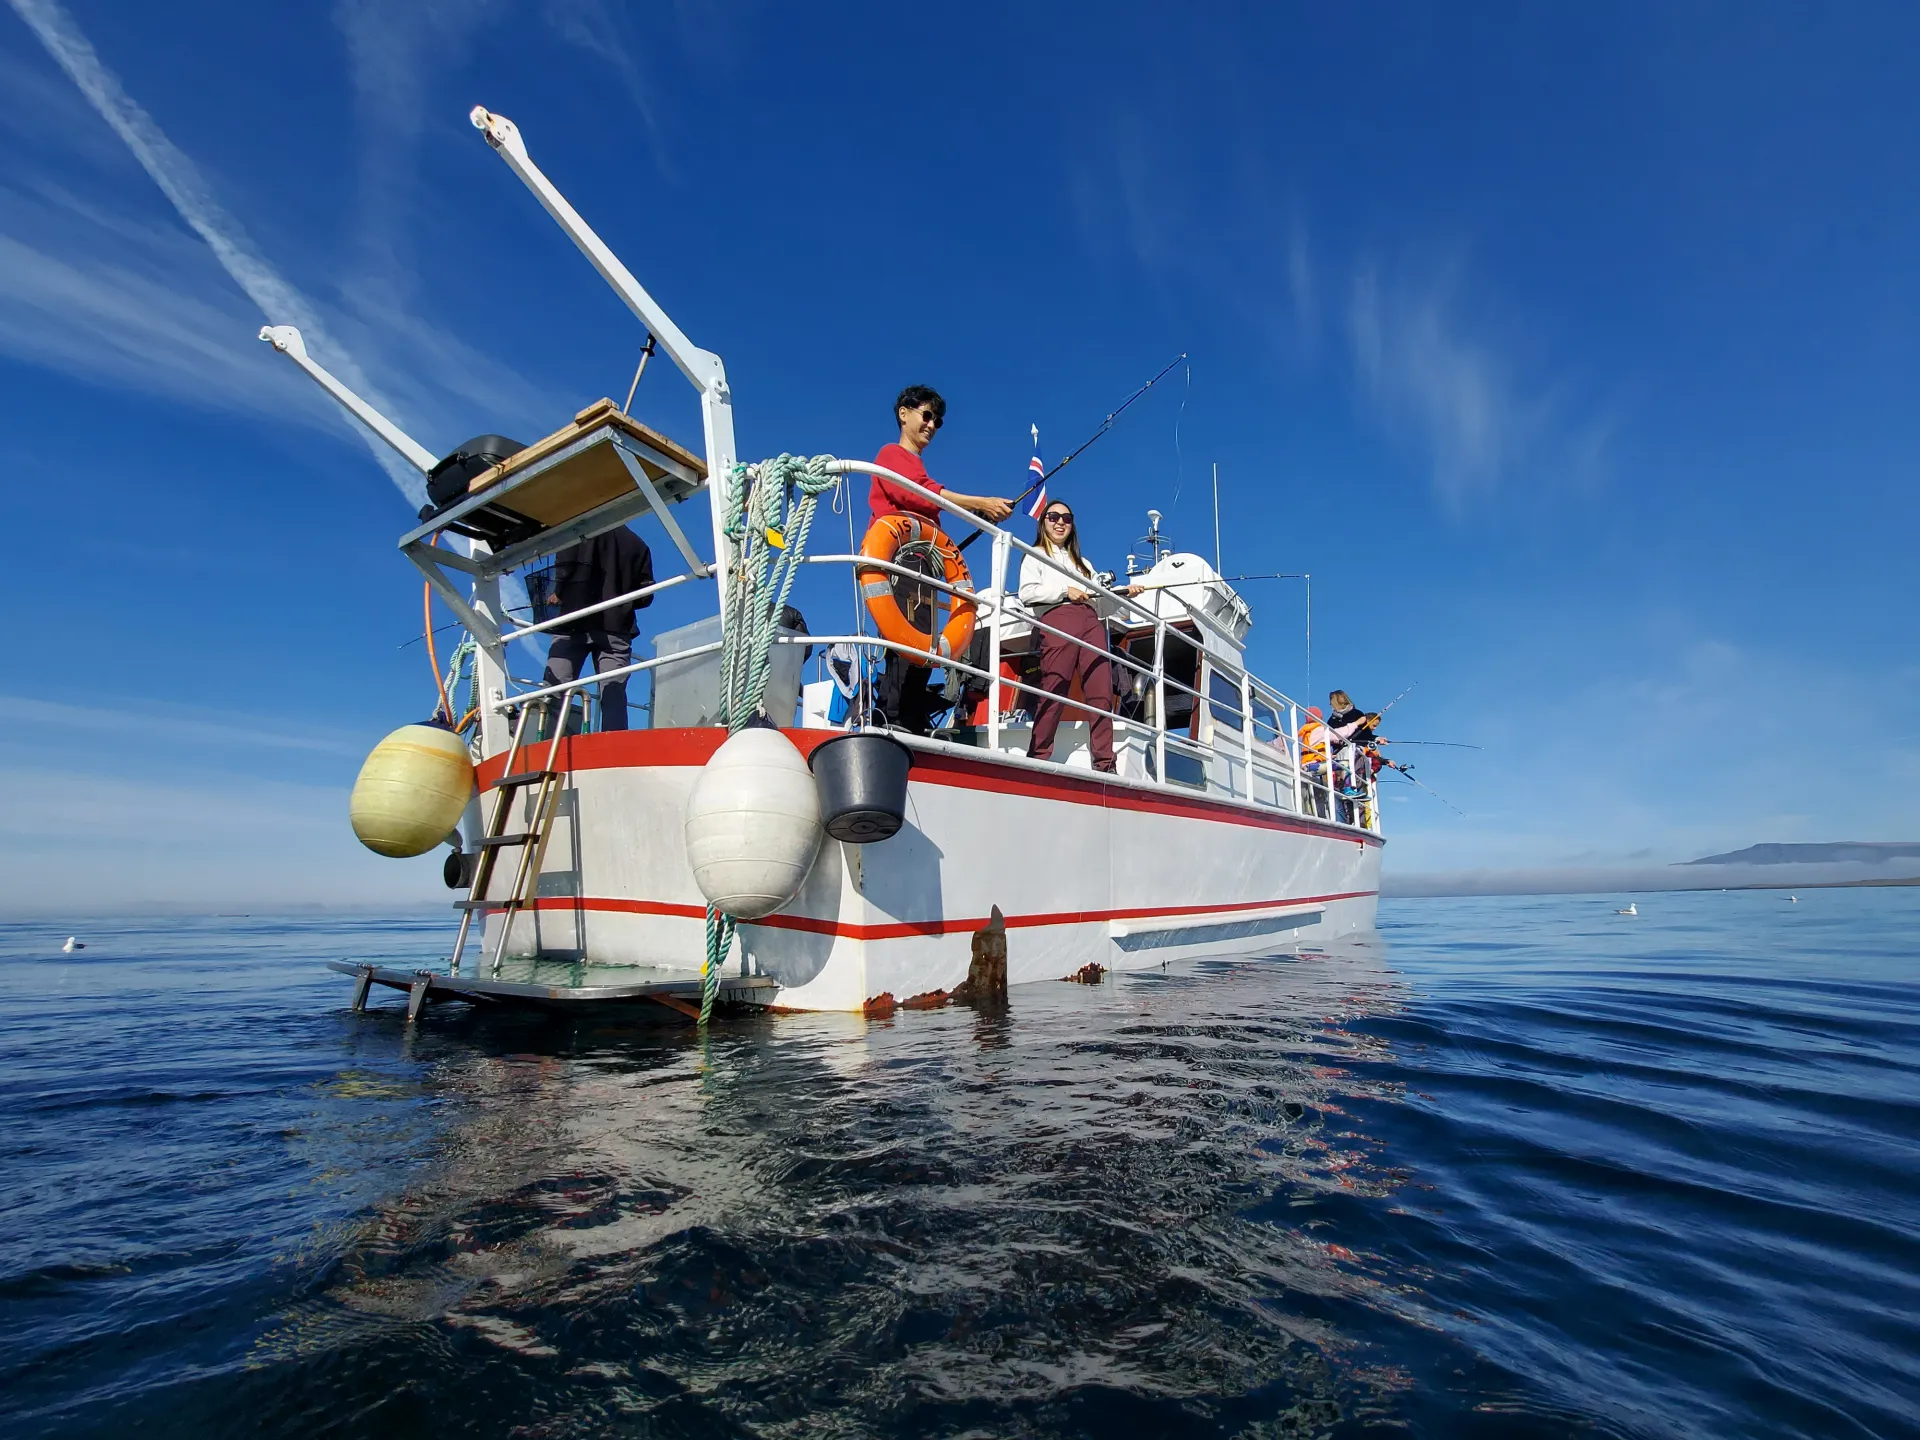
(1406, 773)
(1105, 425)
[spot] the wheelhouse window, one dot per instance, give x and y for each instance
(1266, 723)
(1223, 698)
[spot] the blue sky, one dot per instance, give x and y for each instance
(1573, 353)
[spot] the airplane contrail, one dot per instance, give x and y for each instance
(181, 182)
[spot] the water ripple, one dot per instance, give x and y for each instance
(1508, 1170)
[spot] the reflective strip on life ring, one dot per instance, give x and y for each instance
(883, 542)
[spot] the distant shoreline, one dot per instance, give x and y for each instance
(1617, 883)
(1809, 885)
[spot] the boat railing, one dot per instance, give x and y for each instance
(527, 697)
(645, 592)
(1272, 761)
(1234, 750)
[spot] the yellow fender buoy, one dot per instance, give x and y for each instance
(411, 791)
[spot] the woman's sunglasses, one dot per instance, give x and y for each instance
(1065, 517)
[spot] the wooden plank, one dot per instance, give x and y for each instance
(573, 487)
(600, 414)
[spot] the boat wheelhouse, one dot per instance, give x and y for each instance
(1211, 838)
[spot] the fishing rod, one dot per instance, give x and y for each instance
(1450, 744)
(1183, 584)
(1407, 772)
(1105, 425)
(1397, 699)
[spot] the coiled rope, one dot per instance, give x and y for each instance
(461, 667)
(769, 516)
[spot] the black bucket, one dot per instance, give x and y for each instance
(863, 785)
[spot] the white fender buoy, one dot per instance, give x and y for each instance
(753, 824)
(411, 791)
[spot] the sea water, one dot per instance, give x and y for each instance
(1509, 1167)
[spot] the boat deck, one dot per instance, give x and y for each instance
(555, 984)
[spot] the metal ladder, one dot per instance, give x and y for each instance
(532, 841)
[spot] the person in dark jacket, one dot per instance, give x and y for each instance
(1342, 712)
(1353, 730)
(615, 562)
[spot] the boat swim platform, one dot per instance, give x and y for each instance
(549, 983)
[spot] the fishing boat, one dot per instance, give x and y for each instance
(746, 847)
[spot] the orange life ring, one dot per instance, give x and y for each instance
(883, 542)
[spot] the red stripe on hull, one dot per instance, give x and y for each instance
(639, 749)
(901, 929)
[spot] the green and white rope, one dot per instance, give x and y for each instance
(462, 658)
(769, 516)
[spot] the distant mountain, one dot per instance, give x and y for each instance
(1836, 852)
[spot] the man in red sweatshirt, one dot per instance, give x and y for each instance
(904, 696)
(921, 412)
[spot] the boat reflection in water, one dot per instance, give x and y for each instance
(1104, 1196)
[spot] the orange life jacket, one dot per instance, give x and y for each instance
(1313, 743)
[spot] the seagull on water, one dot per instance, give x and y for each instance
(1633, 908)
(73, 945)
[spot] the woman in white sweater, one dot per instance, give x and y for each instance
(1067, 607)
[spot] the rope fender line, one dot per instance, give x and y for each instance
(769, 510)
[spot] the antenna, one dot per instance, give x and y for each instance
(1156, 543)
(1216, 517)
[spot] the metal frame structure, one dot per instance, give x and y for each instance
(288, 340)
(702, 368)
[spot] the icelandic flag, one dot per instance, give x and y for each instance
(1038, 473)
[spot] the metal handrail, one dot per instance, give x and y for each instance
(862, 467)
(978, 598)
(1004, 543)
(938, 661)
(1277, 760)
(513, 702)
(1164, 736)
(644, 592)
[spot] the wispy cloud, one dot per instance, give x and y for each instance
(180, 181)
(1427, 375)
(596, 28)
(1300, 278)
(1417, 341)
(141, 801)
(1668, 732)
(393, 54)
(152, 722)
(77, 842)
(131, 325)
(1446, 380)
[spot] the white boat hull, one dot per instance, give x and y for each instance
(1083, 869)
